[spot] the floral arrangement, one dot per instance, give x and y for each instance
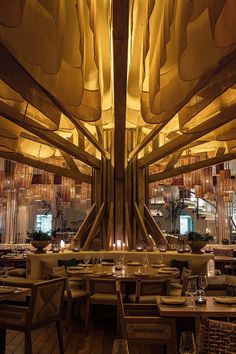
(197, 236)
(39, 236)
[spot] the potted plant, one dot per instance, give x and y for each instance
(197, 240)
(39, 240)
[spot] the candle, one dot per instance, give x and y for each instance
(114, 246)
(123, 245)
(118, 244)
(62, 245)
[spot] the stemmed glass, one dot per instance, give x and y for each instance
(203, 282)
(3, 274)
(87, 259)
(187, 343)
(120, 346)
(192, 291)
(99, 263)
(145, 263)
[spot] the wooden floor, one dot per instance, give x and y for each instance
(98, 340)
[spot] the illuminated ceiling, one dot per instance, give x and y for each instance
(58, 79)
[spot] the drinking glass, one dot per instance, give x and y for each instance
(120, 346)
(99, 263)
(87, 259)
(145, 263)
(203, 282)
(3, 274)
(192, 291)
(187, 343)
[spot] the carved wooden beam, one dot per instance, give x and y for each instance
(70, 162)
(57, 170)
(110, 227)
(142, 226)
(153, 228)
(18, 118)
(185, 139)
(120, 48)
(173, 160)
(192, 167)
(146, 140)
(86, 224)
(95, 227)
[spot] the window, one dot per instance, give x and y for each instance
(44, 223)
(186, 224)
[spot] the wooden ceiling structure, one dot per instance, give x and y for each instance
(109, 88)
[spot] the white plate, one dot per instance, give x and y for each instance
(165, 271)
(85, 265)
(108, 263)
(6, 290)
(227, 300)
(75, 268)
(156, 265)
(134, 263)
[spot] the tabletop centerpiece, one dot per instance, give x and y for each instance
(197, 241)
(39, 240)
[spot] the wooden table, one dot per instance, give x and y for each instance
(10, 296)
(128, 272)
(17, 293)
(210, 309)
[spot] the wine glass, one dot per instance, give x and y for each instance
(203, 282)
(120, 346)
(145, 263)
(87, 259)
(192, 291)
(3, 274)
(187, 343)
(99, 263)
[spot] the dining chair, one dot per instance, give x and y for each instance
(75, 291)
(99, 292)
(140, 324)
(217, 337)
(230, 289)
(45, 307)
(147, 289)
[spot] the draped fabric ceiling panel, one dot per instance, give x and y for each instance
(181, 71)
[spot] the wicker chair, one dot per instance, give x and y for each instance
(140, 324)
(217, 337)
(45, 307)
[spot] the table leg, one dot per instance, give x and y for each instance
(2, 340)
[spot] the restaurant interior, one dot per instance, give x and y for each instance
(118, 176)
